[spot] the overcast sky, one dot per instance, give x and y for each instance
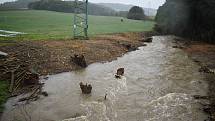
(143, 3)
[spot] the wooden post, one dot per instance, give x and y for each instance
(12, 81)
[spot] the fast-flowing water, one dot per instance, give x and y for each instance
(158, 85)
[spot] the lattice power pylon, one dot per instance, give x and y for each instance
(80, 26)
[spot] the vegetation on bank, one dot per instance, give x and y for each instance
(50, 25)
(3, 94)
(194, 19)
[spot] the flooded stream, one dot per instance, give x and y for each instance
(158, 85)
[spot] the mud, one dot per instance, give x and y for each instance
(51, 57)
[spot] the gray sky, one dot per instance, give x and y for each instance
(143, 3)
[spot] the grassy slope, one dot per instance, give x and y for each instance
(54, 25)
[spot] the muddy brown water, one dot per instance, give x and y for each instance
(158, 85)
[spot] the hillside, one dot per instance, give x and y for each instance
(19, 4)
(125, 7)
(55, 25)
(69, 7)
(56, 5)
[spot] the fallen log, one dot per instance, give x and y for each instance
(12, 82)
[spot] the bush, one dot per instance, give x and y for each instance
(136, 13)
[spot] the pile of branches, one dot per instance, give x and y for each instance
(21, 78)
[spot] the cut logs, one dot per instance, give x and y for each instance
(86, 89)
(79, 60)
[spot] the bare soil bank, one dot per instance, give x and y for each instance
(50, 57)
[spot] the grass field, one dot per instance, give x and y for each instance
(54, 25)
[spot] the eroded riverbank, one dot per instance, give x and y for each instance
(51, 57)
(158, 85)
(204, 55)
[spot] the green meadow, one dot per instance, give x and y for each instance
(48, 25)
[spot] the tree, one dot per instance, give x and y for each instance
(194, 19)
(136, 13)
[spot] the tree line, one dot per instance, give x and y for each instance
(135, 12)
(194, 19)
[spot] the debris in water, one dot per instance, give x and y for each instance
(46, 78)
(44, 93)
(177, 46)
(79, 60)
(206, 69)
(201, 97)
(148, 39)
(106, 96)
(119, 73)
(86, 89)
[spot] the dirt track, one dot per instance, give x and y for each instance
(50, 57)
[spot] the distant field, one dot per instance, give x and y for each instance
(54, 25)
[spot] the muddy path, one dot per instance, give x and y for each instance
(158, 85)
